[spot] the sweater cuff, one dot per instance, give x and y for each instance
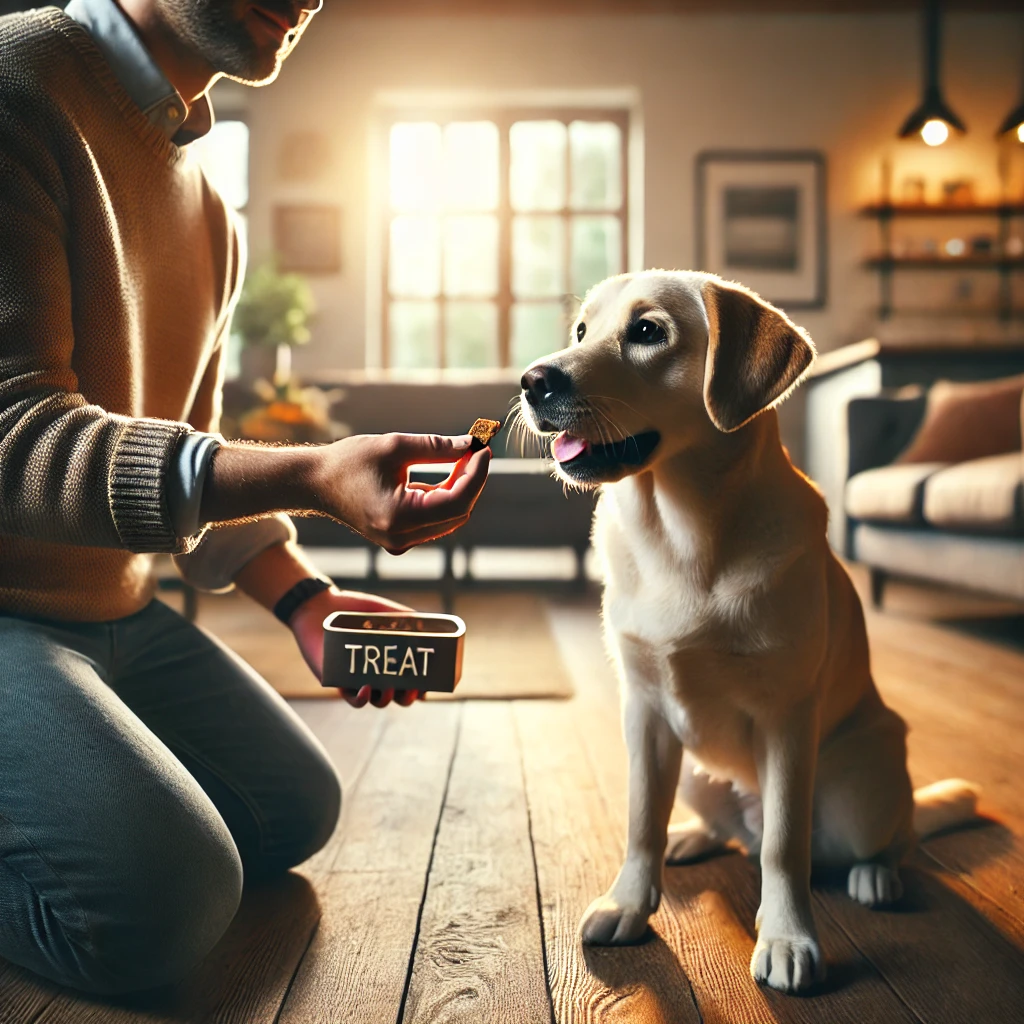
(138, 485)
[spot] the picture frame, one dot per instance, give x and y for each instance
(761, 220)
(307, 238)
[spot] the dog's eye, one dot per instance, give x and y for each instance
(646, 332)
(581, 330)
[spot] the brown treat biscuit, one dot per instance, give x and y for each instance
(483, 432)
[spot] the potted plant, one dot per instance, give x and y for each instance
(272, 315)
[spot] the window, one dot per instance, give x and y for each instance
(223, 154)
(493, 225)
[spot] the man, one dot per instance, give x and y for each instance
(143, 767)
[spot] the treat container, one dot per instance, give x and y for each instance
(393, 650)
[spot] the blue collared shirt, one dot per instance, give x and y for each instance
(140, 77)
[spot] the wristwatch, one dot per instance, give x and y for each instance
(298, 595)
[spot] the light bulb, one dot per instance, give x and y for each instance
(935, 132)
(1020, 131)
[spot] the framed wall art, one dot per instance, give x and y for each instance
(761, 220)
(307, 238)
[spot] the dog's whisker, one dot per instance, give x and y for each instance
(611, 398)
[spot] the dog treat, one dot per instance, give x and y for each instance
(483, 432)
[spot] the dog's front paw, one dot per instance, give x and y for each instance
(789, 964)
(610, 922)
(874, 885)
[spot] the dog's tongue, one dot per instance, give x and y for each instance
(565, 447)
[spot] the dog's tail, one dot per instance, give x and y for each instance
(943, 805)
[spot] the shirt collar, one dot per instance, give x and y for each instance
(116, 38)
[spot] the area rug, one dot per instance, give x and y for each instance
(510, 651)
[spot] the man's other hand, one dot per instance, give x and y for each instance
(307, 626)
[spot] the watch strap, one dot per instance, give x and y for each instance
(289, 603)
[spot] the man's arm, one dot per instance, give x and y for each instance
(361, 481)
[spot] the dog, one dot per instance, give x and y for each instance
(737, 634)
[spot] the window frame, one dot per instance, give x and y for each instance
(504, 116)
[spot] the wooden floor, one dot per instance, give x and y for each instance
(474, 835)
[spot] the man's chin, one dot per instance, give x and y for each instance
(253, 79)
(260, 70)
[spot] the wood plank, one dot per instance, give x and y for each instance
(578, 851)
(23, 995)
(479, 958)
(350, 736)
(371, 887)
(966, 721)
(945, 961)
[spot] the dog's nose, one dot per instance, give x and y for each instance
(542, 382)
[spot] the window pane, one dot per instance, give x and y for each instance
(416, 166)
(415, 257)
(224, 156)
(471, 256)
(596, 251)
(538, 256)
(471, 334)
(596, 148)
(413, 335)
(471, 165)
(537, 329)
(537, 171)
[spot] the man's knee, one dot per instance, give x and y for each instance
(307, 820)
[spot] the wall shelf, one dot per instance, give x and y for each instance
(945, 262)
(952, 313)
(886, 210)
(886, 262)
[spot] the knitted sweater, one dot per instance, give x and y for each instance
(119, 266)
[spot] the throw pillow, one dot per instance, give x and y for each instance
(965, 421)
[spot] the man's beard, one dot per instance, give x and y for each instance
(215, 31)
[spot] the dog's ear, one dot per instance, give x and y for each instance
(756, 355)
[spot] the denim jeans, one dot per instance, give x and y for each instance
(144, 770)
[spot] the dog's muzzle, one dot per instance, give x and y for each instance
(555, 408)
(545, 388)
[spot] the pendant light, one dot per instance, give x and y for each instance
(933, 119)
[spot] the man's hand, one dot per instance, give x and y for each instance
(307, 626)
(364, 482)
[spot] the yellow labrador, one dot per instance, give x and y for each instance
(737, 634)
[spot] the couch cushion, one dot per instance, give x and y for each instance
(890, 494)
(968, 421)
(983, 494)
(991, 565)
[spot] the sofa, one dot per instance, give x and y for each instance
(935, 485)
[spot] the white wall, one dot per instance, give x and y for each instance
(838, 83)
